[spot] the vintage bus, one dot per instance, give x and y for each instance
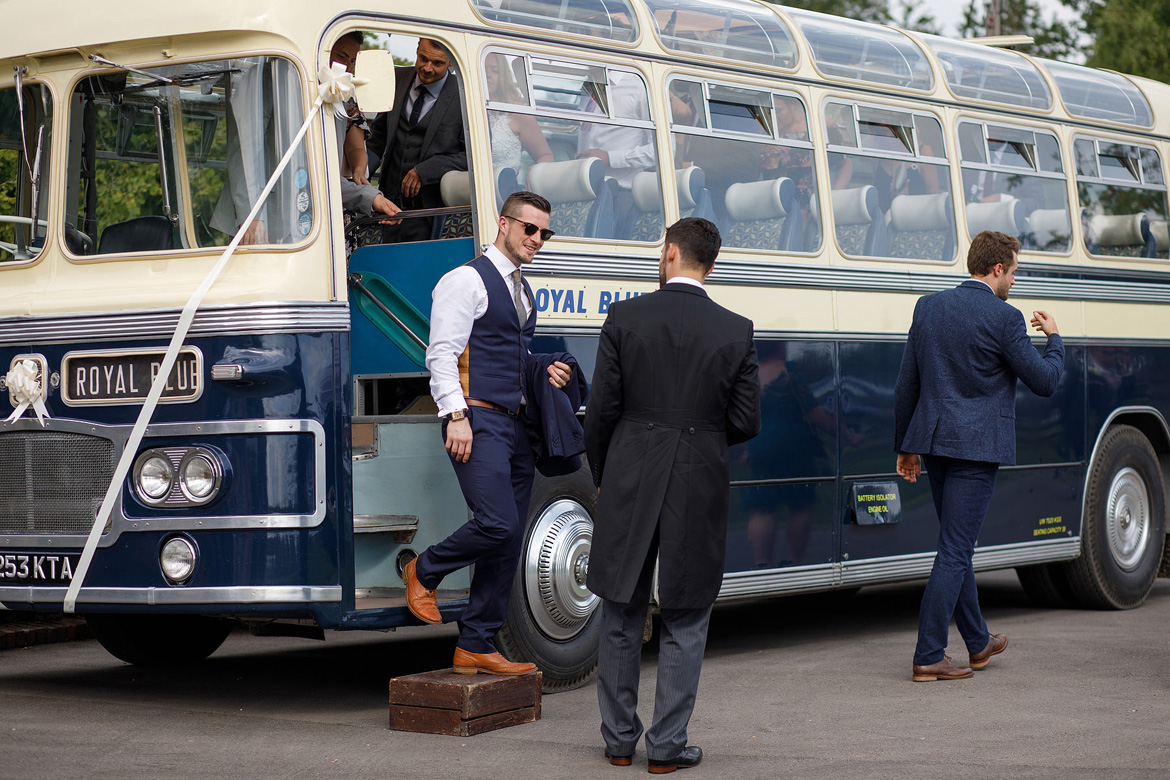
(293, 464)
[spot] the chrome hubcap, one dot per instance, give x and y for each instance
(556, 567)
(1127, 518)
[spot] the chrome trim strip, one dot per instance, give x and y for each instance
(918, 280)
(275, 594)
(161, 323)
(918, 565)
(746, 584)
(120, 524)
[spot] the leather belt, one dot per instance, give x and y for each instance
(490, 405)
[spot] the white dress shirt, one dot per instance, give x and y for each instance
(685, 280)
(432, 90)
(459, 299)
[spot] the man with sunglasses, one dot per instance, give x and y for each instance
(482, 320)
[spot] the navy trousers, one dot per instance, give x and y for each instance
(962, 491)
(497, 484)
(681, 644)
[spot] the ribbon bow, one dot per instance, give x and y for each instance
(337, 84)
(26, 391)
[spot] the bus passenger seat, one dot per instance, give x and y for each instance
(857, 221)
(1161, 233)
(582, 205)
(922, 227)
(1122, 235)
(1048, 231)
(141, 234)
(763, 215)
(455, 189)
(1005, 216)
(693, 201)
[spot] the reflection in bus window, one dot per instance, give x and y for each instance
(1122, 195)
(1013, 182)
(738, 30)
(891, 184)
(577, 134)
(752, 172)
(22, 136)
(234, 119)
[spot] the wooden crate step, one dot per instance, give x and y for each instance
(462, 705)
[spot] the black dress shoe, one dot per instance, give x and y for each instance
(617, 760)
(689, 756)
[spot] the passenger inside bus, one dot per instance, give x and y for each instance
(512, 134)
(625, 150)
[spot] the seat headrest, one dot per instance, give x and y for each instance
(1048, 225)
(755, 200)
(855, 205)
(1120, 229)
(567, 181)
(1005, 216)
(1161, 232)
(648, 197)
(921, 212)
(455, 187)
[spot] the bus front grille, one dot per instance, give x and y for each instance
(52, 482)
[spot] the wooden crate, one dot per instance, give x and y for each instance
(462, 705)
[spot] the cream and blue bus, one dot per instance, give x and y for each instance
(183, 456)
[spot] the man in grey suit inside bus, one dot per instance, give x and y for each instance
(955, 413)
(676, 382)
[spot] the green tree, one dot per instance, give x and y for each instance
(1130, 36)
(1054, 38)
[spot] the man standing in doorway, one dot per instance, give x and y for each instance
(482, 319)
(676, 382)
(420, 138)
(955, 413)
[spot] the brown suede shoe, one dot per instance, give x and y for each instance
(996, 644)
(943, 670)
(488, 663)
(420, 601)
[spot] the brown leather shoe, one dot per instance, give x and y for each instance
(943, 670)
(420, 601)
(996, 644)
(619, 760)
(488, 663)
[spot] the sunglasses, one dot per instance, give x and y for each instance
(530, 229)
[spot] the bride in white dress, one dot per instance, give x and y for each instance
(512, 134)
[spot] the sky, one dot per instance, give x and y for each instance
(949, 13)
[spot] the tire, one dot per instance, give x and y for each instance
(552, 618)
(159, 640)
(1124, 524)
(1046, 584)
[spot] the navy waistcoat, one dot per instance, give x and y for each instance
(491, 368)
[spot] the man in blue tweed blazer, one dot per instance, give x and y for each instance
(955, 412)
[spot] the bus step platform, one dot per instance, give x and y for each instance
(462, 705)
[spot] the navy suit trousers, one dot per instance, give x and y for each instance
(497, 484)
(962, 491)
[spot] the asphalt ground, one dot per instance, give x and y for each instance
(799, 687)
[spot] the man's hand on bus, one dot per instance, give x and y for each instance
(411, 184)
(600, 154)
(257, 233)
(384, 205)
(459, 439)
(1044, 322)
(909, 466)
(559, 373)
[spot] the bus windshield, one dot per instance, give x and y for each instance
(187, 150)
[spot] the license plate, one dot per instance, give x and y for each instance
(33, 568)
(124, 377)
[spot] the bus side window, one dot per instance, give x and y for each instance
(19, 239)
(891, 182)
(1122, 193)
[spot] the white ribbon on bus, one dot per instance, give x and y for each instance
(337, 86)
(26, 391)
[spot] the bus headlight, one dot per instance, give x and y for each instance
(153, 476)
(177, 559)
(199, 476)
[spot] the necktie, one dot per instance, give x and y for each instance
(416, 109)
(517, 297)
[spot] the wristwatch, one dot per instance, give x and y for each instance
(458, 414)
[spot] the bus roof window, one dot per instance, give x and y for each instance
(1098, 94)
(990, 75)
(731, 29)
(612, 20)
(864, 52)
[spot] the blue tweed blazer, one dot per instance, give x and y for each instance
(956, 389)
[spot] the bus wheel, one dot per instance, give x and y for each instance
(1046, 584)
(552, 617)
(159, 640)
(1123, 530)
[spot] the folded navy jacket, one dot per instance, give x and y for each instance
(551, 415)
